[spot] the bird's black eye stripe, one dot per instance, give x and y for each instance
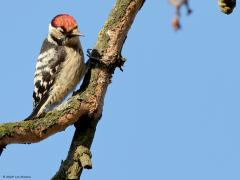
(70, 32)
(69, 35)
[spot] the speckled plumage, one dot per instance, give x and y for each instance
(59, 68)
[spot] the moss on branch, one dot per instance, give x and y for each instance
(109, 44)
(85, 108)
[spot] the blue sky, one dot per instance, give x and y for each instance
(173, 114)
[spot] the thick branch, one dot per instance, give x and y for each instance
(89, 101)
(109, 45)
(86, 106)
(79, 155)
(41, 128)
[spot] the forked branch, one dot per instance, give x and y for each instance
(85, 107)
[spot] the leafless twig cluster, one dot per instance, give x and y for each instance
(178, 4)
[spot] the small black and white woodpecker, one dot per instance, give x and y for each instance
(60, 65)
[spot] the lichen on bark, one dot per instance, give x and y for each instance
(84, 109)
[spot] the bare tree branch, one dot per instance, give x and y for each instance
(57, 120)
(85, 107)
(109, 44)
(178, 4)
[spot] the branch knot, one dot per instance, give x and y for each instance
(95, 59)
(83, 155)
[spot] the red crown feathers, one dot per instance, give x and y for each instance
(65, 21)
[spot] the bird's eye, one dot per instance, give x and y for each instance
(60, 29)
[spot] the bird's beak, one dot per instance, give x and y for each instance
(76, 32)
(81, 35)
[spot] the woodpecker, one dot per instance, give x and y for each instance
(60, 65)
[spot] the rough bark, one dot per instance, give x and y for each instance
(109, 44)
(85, 107)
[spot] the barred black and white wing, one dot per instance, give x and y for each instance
(48, 64)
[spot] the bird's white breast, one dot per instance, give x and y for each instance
(69, 76)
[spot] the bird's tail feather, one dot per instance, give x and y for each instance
(38, 107)
(1, 148)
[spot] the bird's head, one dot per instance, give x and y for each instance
(64, 30)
